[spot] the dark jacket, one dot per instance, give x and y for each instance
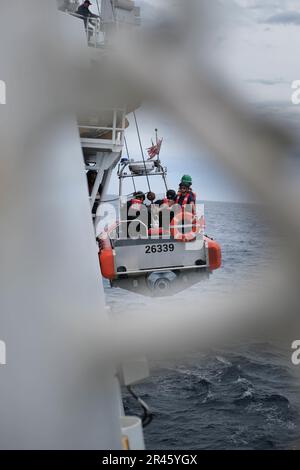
(85, 13)
(191, 198)
(160, 202)
(166, 214)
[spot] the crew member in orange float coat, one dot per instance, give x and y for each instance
(135, 203)
(166, 205)
(186, 196)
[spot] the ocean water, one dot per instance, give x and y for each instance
(243, 397)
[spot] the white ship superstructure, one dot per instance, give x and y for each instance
(102, 128)
(56, 392)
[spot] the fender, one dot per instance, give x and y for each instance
(107, 259)
(214, 254)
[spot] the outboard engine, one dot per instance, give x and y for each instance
(160, 283)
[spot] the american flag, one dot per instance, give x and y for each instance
(154, 150)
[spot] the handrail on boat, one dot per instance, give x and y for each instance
(95, 28)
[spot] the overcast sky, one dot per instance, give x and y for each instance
(257, 52)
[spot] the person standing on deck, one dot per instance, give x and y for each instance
(137, 212)
(169, 200)
(86, 14)
(186, 196)
(165, 213)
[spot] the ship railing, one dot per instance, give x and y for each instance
(112, 136)
(120, 231)
(95, 29)
(98, 31)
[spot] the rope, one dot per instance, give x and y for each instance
(134, 187)
(142, 152)
(147, 413)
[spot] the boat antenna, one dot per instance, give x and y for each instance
(126, 145)
(159, 145)
(158, 159)
(142, 151)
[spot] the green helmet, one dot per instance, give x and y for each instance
(186, 180)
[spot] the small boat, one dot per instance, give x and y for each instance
(157, 261)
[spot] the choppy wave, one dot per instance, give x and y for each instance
(242, 398)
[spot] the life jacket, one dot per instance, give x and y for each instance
(185, 230)
(135, 204)
(185, 201)
(166, 202)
